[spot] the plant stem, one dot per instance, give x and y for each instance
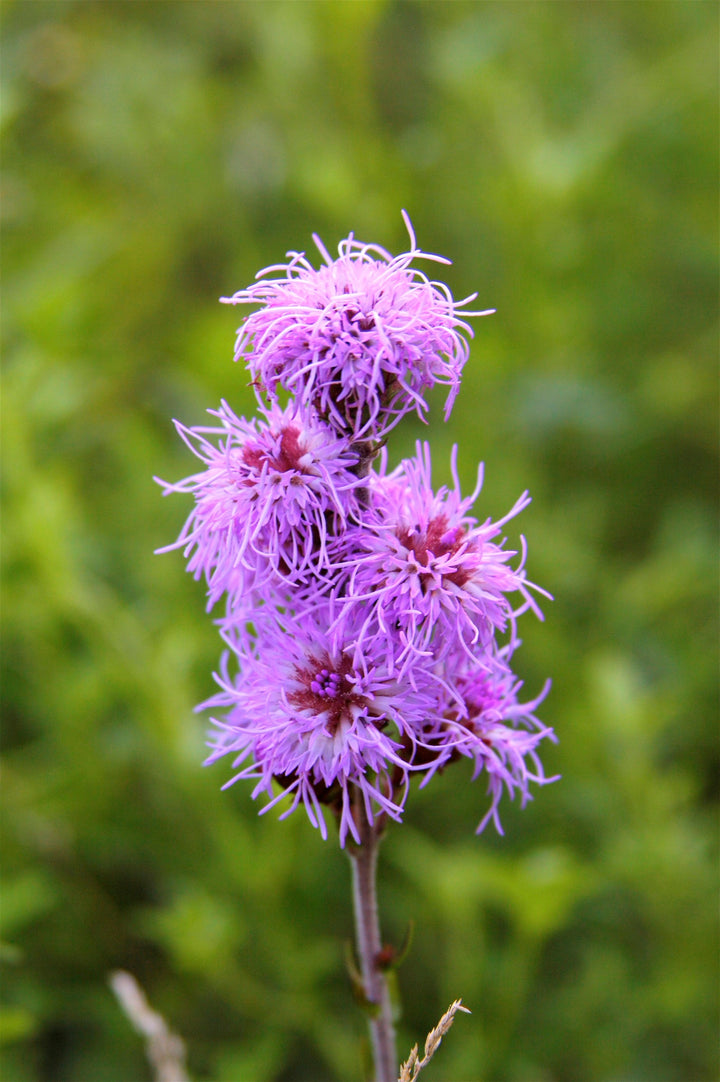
(369, 944)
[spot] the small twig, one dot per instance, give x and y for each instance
(165, 1050)
(413, 1066)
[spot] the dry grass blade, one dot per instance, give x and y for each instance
(413, 1066)
(165, 1050)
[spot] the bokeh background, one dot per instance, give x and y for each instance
(564, 155)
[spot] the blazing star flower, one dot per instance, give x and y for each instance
(360, 338)
(363, 608)
(482, 724)
(435, 580)
(273, 497)
(321, 716)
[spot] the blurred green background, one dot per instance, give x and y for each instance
(564, 155)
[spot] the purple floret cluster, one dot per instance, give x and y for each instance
(370, 621)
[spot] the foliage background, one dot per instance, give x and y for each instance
(564, 155)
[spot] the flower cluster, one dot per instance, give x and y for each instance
(369, 620)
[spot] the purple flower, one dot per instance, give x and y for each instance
(435, 580)
(321, 717)
(481, 724)
(360, 338)
(274, 496)
(363, 608)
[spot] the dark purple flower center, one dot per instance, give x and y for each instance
(286, 457)
(437, 540)
(357, 322)
(326, 684)
(328, 689)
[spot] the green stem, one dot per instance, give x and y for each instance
(369, 945)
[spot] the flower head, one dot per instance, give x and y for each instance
(324, 718)
(486, 723)
(361, 338)
(436, 580)
(274, 495)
